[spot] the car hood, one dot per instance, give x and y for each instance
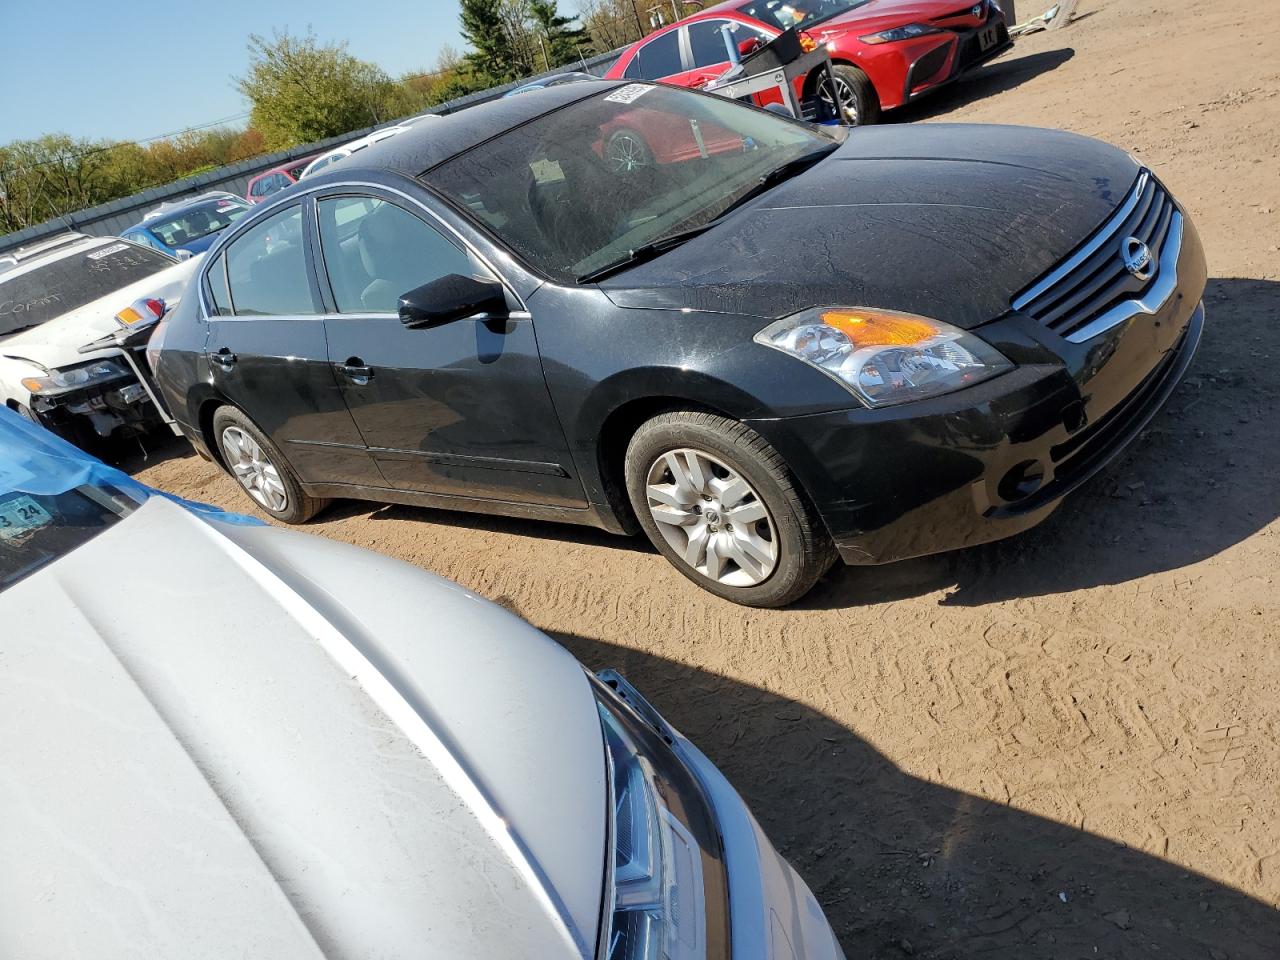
(57, 342)
(239, 741)
(201, 244)
(881, 14)
(948, 221)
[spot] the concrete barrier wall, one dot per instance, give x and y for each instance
(110, 218)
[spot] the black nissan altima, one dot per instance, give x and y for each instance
(765, 344)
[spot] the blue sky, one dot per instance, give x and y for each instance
(131, 69)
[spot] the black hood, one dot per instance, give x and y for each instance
(944, 220)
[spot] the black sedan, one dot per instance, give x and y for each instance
(764, 344)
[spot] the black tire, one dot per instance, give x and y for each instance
(297, 507)
(857, 93)
(803, 548)
(626, 153)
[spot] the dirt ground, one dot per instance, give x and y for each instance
(1064, 745)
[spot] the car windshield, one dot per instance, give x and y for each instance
(32, 297)
(784, 15)
(197, 222)
(582, 187)
(53, 498)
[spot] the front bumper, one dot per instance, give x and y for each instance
(121, 404)
(995, 459)
(772, 913)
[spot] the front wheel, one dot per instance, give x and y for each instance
(720, 504)
(854, 92)
(626, 152)
(260, 470)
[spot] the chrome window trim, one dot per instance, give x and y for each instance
(470, 248)
(1152, 299)
(1100, 237)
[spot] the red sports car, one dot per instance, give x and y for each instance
(884, 53)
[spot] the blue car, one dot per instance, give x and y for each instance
(555, 80)
(188, 225)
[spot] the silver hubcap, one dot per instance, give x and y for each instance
(627, 154)
(847, 98)
(251, 466)
(712, 518)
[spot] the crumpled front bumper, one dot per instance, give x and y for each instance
(772, 913)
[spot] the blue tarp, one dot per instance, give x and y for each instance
(35, 461)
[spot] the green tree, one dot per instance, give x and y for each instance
(493, 56)
(302, 90)
(558, 39)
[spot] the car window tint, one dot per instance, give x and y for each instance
(375, 252)
(218, 291)
(633, 68)
(267, 271)
(707, 42)
(660, 57)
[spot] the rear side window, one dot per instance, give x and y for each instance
(707, 42)
(267, 270)
(375, 252)
(218, 291)
(660, 57)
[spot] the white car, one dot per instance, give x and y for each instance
(59, 302)
(223, 739)
(355, 146)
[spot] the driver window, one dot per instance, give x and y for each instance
(375, 252)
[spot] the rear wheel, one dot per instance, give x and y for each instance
(720, 504)
(260, 469)
(853, 91)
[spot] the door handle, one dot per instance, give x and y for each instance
(356, 371)
(225, 359)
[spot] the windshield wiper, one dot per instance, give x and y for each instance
(646, 251)
(654, 248)
(775, 176)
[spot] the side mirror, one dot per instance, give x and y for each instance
(183, 255)
(748, 46)
(452, 297)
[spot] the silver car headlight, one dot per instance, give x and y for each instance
(666, 884)
(885, 357)
(66, 379)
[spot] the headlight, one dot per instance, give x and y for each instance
(900, 33)
(73, 378)
(885, 357)
(666, 885)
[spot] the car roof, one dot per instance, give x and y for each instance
(169, 209)
(426, 145)
(25, 259)
(287, 166)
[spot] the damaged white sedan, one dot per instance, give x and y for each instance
(66, 358)
(220, 739)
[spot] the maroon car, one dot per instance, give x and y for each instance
(276, 179)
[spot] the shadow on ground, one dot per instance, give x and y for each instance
(1004, 73)
(907, 867)
(1198, 481)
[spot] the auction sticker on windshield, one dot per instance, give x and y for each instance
(107, 251)
(629, 94)
(21, 515)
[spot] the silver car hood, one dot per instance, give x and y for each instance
(229, 741)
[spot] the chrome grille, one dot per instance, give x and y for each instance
(1093, 289)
